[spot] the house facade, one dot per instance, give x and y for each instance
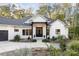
(35, 27)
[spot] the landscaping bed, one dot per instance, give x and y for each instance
(27, 52)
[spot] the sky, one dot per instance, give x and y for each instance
(33, 6)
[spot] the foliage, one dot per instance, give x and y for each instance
(63, 46)
(45, 40)
(72, 48)
(48, 37)
(29, 38)
(5, 11)
(60, 16)
(18, 14)
(71, 53)
(53, 51)
(77, 31)
(53, 11)
(62, 42)
(74, 33)
(74, 45)
(42, 10)
(17, 38)
(11, 12)
(54, 38)
(34, 40)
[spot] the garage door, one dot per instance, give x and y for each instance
(3, 35)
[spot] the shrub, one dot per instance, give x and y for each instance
(72, 48)
(63, 46)
(53, 51)
(17, 38)
(29, 38)
(53, 38)
(60, 37)
(45, 40)
(74, 45)
(70, 36)
(62, 43)
(48, 37)
(71, 53)
(34, 40)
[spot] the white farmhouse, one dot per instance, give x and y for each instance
(35, 27)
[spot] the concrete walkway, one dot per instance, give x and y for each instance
(9, 46)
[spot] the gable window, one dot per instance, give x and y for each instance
(16, 30)
(57, 31)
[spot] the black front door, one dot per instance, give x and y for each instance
(39, 31)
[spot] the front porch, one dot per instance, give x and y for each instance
(39, 30)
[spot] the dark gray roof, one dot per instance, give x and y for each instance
(8, 21)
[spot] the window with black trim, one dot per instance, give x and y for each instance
(26, 32)
(23, 32)
(47, 31)
(57, 31)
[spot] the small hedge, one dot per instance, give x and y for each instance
(45, 40)
(29, 38)
(17, 38)
(33, 40)
(48, 37)
(54, 38)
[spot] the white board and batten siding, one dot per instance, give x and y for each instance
(58, 25)
(12, 33)
(10, 30)
(20, 31)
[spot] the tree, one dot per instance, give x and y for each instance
(42, 10)
(18, 14)
(5, 11)
(28, 12)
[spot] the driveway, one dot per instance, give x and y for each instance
(9, 46)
